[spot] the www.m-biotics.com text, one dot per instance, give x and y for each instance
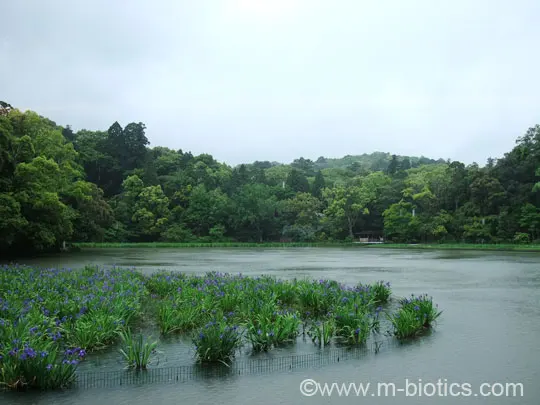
(410, 388)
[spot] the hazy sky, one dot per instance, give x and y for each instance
(251, 80)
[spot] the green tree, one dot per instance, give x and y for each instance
(297, 181)
(206, 210)
(257, 212)
(93, 215)
(345, 205)
(144, 210)
(303, 209)
(393, 166)
(318, 185)
(302, 215)
(400, 225)
(530, 220)
(40, 181)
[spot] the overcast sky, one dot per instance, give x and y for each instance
(251, 80)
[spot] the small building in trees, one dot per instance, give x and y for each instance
(370, 237)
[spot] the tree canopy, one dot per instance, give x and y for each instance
(58, 185)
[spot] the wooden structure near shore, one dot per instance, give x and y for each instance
(369, 237)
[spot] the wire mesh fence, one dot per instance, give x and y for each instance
(109, 379)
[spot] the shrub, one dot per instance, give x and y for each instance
(522, 238)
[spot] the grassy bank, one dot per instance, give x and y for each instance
(457, 246)
(208, 245)
(438, 246)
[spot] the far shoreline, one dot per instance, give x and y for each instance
(281, 245)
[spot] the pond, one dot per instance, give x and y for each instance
(488, 332)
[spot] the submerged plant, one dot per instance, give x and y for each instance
(137, 352)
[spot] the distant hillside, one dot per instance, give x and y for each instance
(373, 161)
(337, 170)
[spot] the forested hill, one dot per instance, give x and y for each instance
(58, 185)
(376, 161)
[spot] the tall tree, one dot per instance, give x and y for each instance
(318, 185)
(297, 181)
(256, 207)
(393, 165)
(41, 183)
(345, 205)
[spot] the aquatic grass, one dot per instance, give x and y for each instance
(24, 367)
(355, 324)
(217, 342)
(180, 317)
(322, 332)
(406, 324)
(136, 351)
(228, 301)
(317, 298)
(380, 291)
(94, 331)
(415, 315)
(92, 308)
(423, 307)
(51, 310)
(265, 332)
(165, 284)
(285, 292)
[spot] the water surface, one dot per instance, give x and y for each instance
(488, 332)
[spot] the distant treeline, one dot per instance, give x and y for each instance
(57, 186)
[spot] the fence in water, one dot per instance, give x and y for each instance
(109, 379)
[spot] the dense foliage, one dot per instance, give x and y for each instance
(60, 186)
